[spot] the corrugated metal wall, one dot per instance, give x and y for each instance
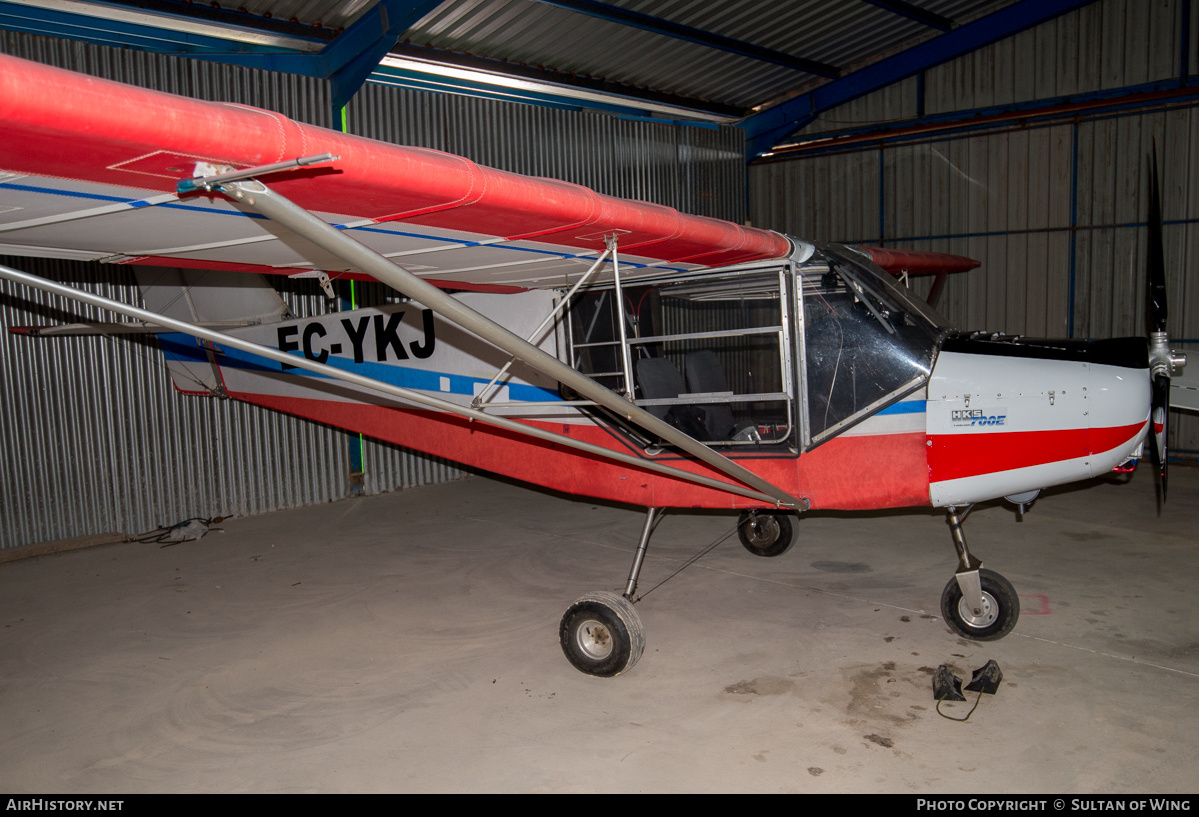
(1055, 212)
(697, 170)
(93, 436)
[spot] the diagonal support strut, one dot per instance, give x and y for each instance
(164, 323)
(258, 198)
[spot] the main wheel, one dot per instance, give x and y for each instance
(602, 634)
(765, 534)
(1001, 608)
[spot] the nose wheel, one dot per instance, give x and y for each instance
(993, 617)
(978, 604)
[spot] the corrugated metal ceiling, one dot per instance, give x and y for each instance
(842, 34)
(542, 33)
(319, 14)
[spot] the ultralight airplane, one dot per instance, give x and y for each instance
(602, 347)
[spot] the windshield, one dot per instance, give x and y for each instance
(867, 342)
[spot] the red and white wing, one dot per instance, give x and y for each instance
(88, 170)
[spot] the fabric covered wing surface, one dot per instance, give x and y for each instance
(90, 168)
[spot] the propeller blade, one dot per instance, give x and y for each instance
(1160, 418)
(1156, 300)
(1161, 359)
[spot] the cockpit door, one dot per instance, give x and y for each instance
(865, 342)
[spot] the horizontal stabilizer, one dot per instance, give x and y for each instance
(209, 298)
(126, 328)
(919, 262)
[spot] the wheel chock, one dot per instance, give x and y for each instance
(986, 678)
(947, 686)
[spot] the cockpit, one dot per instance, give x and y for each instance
(776, 356)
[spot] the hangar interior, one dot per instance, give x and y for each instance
(1014, 132)
(1026, 153)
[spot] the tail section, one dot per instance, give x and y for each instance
(210, 298)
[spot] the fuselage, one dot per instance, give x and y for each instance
(818, 375)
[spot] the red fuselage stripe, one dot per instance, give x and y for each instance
(846, 473)
(956, 456)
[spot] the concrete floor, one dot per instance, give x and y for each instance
(408, 642)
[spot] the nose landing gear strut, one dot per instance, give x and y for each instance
(978, 604)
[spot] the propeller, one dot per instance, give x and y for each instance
(1162, 362)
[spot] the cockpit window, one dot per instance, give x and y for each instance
(866, 342)
(708, 353)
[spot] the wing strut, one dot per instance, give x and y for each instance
(258, 198)
(164, 323)
(564, 303)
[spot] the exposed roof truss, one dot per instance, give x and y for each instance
(830, 54)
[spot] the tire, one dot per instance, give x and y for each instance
(1001, 608)
(766, 534)
(602, 635)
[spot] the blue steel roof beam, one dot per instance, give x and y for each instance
(349, 59)
(1094, 104)
(352, 57)
(771, 126)
(914, 12)
(657, 25)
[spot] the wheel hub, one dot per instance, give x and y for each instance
(594, 639)
(984, 618)
(763, 531)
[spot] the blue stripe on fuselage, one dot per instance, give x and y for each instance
(403, 376)
(906, 407)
